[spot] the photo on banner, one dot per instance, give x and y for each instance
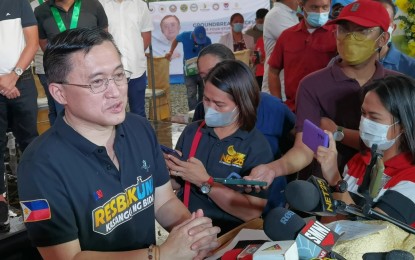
(173, 17)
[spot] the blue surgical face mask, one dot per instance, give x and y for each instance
(214, 118)
(237, 27)
(317, 19)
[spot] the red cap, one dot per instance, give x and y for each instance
(366, 13)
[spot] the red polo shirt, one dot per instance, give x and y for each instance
(300, 52)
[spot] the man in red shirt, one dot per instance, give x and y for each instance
(302, 49)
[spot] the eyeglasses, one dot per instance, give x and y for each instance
(100, 85)
(361, 35)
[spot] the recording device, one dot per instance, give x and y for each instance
(170, 151)
(311, 196)
(364, 187)
(376, 183)
(313, 136)
(307, 197)
(233, 181)
(314, 197)
(391, 255)
(313, 238)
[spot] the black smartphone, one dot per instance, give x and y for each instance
(171, 151)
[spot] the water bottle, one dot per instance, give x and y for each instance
(11, 145)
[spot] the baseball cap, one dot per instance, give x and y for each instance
(366, 13)
(199, 34)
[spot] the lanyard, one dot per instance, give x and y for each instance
(74, 19)
(40, 2)
(195, 144)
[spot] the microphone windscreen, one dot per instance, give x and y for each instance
(302, 195)
(282, 224)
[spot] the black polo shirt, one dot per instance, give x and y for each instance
(92, 15)
(235, 154)
(89, 199)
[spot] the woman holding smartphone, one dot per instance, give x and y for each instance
(226, 145)
(388, 121)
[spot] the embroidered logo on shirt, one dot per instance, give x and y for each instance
(233, 158)
(123, 206)
(98, 195)
(35, 210)
(8, 14)
(145, 166)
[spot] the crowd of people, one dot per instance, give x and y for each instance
(94, 184)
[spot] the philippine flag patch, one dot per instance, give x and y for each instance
(35, 210)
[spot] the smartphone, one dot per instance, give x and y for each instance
(171, 151)
(239, 182)
(313, 136)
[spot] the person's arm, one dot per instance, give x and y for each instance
(274, 82)
(194, 233)
(294, 160)
(43, 43)
(351, 136)
(8, 81)
(172, 48)
(227, 199)
(146, 39)
(327, 157)
(169, 210)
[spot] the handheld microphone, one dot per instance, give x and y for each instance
(307, 197)
(313, 238)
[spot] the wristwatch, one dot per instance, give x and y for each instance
(340, 187)
(338, 135)
(18, 71)
(207, 186)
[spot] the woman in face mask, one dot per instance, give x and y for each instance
(226, 145)
(387, 121)
(236, 40)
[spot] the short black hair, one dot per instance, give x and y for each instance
(236, 79)
(235, 15)
(219, 50)
(397, 94)
(260, 13)
(390, 3)
(56, 59)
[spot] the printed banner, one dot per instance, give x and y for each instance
(173, 17)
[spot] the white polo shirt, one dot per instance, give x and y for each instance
(14, 16)
(126, 21)
(279, 18)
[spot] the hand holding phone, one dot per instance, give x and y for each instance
(313, 136)
(168, 150)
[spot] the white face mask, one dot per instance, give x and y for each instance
(375, 133)
(214, 118)
(260, 27)
(390, 31)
